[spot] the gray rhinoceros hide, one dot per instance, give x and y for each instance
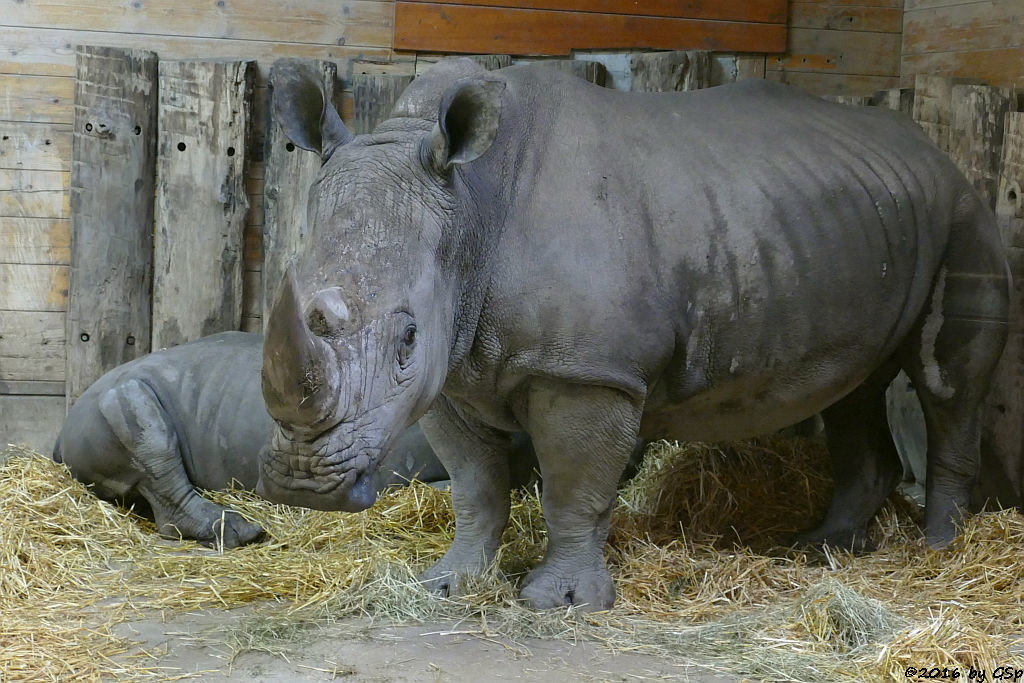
(519, 250)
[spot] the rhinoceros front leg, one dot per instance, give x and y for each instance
(477, 460)
(137, 419)
(583, 436)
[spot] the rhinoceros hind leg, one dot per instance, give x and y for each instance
(584, 436)
(865, 465)
(951, 358)
(140, 423)
(477, 459)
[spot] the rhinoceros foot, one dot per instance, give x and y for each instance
(450, 575)
(209, 524)
(558, 583)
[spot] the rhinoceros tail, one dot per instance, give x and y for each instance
(56, 452)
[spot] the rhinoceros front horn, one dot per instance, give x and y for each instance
(301, 377)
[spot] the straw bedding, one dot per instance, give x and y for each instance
(697, 548)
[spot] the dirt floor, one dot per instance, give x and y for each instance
(200, 645)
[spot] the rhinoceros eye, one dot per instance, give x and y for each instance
(409, 337)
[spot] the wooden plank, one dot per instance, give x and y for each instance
(750, 66)
(33, 287)
(964, 27)
(34, 194)
(252, 290)
(204, 121)
(373, 98)
(252, 324)
(824, 16)
(933, 108)
(321, 22)
(406, 66)
(1002, 473)
(768, 11)
(1009, 194)
(490, 62)
(842, 52)
(821, 83)
(38, 99)
(32, 346)
(289, 173)
(430, 26)
(112, 185)
(51, 52)
(35, 240)
(670, 71)
(897, 99)
(1003, 67)
(976, 142)
(35, 146)
(32, 421)
(31, 387)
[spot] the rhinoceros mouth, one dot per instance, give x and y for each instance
(339, 481)
(332, 496)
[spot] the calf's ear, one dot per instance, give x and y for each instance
(467, 122)
(301, 107)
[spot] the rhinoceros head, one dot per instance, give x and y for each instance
(359, 338)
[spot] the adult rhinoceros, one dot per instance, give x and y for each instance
(520, 250)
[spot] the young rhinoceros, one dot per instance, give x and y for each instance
(152, 431)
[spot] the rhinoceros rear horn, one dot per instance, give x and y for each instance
(301, 377)
(303, 109)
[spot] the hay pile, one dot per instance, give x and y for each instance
(697, 550)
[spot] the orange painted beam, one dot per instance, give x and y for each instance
(437, 27)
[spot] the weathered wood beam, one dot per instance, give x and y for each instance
(205, 117)
(112, 176)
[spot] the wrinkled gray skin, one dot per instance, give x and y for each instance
(153, 430)
(520, 250)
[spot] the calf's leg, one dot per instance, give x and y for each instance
(135, 416)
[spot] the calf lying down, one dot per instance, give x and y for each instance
(151, 432)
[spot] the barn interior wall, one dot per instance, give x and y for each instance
(972, 39)
(836, 46)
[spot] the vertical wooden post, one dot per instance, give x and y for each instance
(671, 71)
(976, 137)
(201, 200)
(933, 107)
(1002, 473)
(897, 99)
(374, 96)
(113, 162)
(289, 173)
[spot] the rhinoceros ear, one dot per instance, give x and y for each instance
(301, 107)
(467, 122)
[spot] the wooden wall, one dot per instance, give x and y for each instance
(837, 46)
(37, 66)
(973, 39)
(841, 47)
